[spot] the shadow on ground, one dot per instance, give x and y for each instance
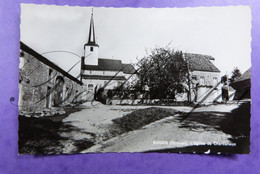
(43, 135)
(236, 123)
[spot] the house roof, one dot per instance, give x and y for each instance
(47, 62)
(245, 76)
(243, 83)
(111, 65)
(100, 77)
(199, 62)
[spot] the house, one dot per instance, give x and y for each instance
(101, 72)
(205, 79)
(44, 85)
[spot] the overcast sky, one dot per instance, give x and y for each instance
(125, 33)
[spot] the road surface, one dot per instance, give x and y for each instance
(162, 134)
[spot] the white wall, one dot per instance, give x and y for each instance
(211, 79)
(207, 75)
(103, 73)
(100, 83)
(91, 58)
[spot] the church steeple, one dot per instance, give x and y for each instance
(91, 36)
(91, 47)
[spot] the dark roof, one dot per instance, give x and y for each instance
(245, 76)
(91, 33)
(91, 44)
(47, 62)
(243, 84)
(100, 77)
(111, 65)
(199, 62)
(129, 69)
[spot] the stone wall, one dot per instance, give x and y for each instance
(38, 85)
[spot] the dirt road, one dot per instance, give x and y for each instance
(166, 133)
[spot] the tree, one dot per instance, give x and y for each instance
(235, 74)
(164, 71)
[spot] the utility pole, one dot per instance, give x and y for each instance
(189, 93)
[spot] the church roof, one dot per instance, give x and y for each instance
(199, 62)
(91, 36)
(111, 65)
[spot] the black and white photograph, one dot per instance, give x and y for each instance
(164, 80)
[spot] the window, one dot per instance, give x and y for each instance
(202, 80)
(215, 81)
(91, 49)
(194, 77)
(22, 60)
(50, 72)
(90, 87)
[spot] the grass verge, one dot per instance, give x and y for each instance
(139, 118)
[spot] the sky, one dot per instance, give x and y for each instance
(128, 33)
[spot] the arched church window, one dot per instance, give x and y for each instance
(91, 49)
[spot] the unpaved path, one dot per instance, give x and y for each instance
(161, 134)
(97, 117)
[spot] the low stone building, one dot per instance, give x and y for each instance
(44, 85)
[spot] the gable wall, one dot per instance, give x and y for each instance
(34, 82)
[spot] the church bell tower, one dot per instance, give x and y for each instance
(91, 47)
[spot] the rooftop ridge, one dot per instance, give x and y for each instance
(47, 62)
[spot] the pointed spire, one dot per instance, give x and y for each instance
(91, 37)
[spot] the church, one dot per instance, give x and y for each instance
(101, 72)
(111, 73)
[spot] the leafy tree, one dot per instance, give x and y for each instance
(164, 71)
(235, 74)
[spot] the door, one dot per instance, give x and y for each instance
(48, 97)
(58, 92)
